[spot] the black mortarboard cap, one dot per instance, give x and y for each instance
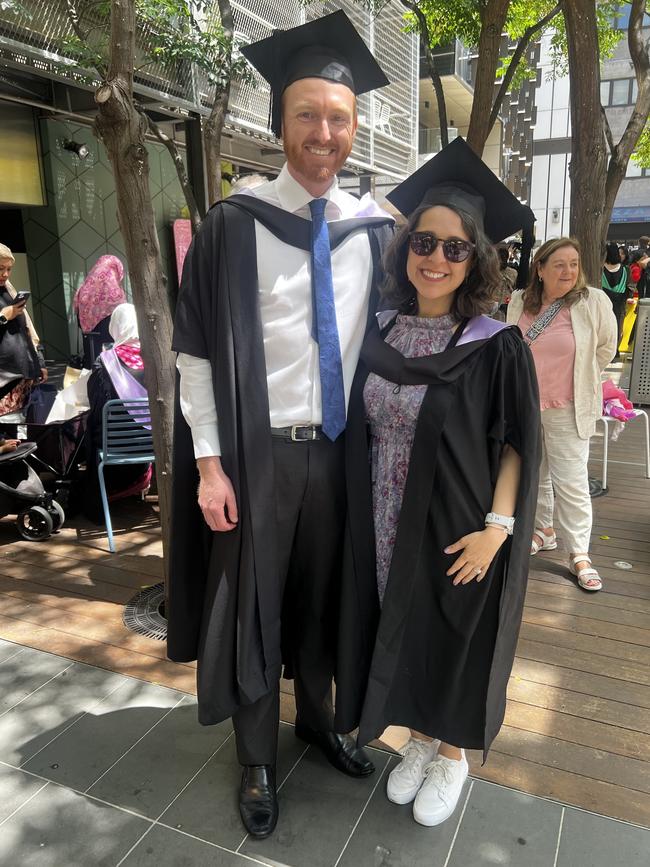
(458, 177)
(328, 47)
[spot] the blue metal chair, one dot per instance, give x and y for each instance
(126, 439)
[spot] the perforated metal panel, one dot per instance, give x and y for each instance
(640, 374)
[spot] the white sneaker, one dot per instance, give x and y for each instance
(440, 791)
(406, 778)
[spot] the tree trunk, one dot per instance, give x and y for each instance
(212, 130)
(122, 130)
(436, 81)
(181, 171)
(588, 169)
(621, 152)
(493, 19)
(213, 126)
(515, 60)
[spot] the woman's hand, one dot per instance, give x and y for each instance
(478, 551)
(12, 310)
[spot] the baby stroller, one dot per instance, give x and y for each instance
(22, 494)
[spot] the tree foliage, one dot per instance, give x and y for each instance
(609, 37)
(641, 155)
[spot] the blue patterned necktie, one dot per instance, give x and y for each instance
(325, 330)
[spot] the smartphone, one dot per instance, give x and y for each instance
(21, 298)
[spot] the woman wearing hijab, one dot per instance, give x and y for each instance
(95, 300)
(22, 364)
(449, 399)
(119, 373)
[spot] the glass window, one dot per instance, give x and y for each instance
(604, 92)
(633, 171)
(621, 91)
(635, 90)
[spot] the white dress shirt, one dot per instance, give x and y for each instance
(285, 300)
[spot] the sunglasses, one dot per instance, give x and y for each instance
(454, 250)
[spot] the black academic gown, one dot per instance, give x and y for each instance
(443, 654)
(224, 604)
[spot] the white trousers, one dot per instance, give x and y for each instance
(563, 480)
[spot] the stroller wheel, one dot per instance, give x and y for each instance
(57, 514)
(35, 524)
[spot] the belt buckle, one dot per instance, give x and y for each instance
(296, 427)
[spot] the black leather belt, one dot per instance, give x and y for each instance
(299, 433)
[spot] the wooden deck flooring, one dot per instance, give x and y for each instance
(578, 723)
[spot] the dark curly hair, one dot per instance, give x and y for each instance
(476, 293)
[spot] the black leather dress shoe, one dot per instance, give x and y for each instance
(258, 801)
(339, 750)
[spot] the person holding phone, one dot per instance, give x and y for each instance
(22, 365)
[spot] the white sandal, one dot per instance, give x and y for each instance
(549, 542)
(585, 575)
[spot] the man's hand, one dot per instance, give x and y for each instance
(12, 310)
(216, 495)
(43, 374)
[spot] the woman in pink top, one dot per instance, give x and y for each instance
(571, 330)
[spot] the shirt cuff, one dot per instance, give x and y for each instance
(198, 404)
(205, 438)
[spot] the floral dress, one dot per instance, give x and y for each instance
(392, 412)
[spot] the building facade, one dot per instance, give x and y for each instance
(509, 147)
(551, 182)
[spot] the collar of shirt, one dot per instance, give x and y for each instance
(285, 192)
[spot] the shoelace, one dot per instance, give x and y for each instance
(414, 756)
(438, 774)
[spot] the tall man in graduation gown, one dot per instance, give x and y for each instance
(273, 309)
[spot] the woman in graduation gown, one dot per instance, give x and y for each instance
(449, 400)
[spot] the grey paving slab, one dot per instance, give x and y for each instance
(594, 841)
(16, 787)
(388, 834)
(8, 649)
(59, 828)
(24, 673)
(148, 777)
(208, 808)
(164, 848)
(28, 726)
(319, 807)
(501, 826)
(115, 724)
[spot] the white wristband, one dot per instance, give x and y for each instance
(504, 522)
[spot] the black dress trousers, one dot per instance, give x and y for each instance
(310, 508)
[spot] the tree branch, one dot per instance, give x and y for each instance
(213, 125)
(518, 53)
(436, 81)
(82, 35)
(608, 130)
(640, 58)
(122, 42)
(181, 171)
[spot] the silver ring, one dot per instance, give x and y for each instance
(478, 570)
